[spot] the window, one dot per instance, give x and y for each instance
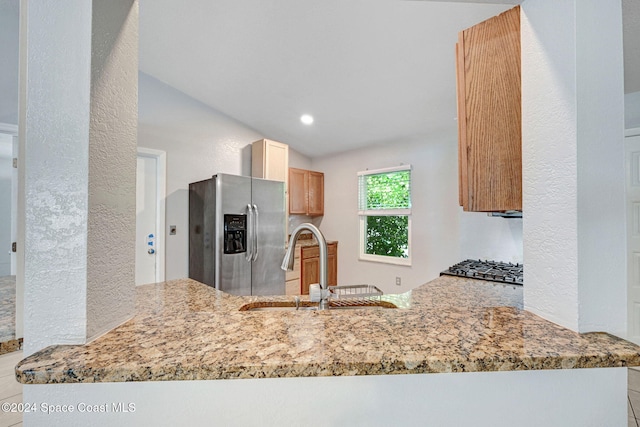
(384, 206)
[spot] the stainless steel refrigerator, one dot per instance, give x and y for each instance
(237, 234)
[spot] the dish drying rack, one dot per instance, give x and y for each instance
(354, 294)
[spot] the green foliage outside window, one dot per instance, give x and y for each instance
(389, 190)
(387, 235)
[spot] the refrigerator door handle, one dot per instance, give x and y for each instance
(256, 229)
(250, 231)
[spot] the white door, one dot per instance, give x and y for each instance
(632, 150)
(146, 220)
(14, 209)
(6, 185)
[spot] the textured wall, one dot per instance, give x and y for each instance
(56, 142)
(112, 164)
(80, 145)
(602, 251)
(572, 164)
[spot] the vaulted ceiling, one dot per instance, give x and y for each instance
(369, 71)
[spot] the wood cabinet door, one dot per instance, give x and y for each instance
(276, 160)
(332, 260)
(298, 191)
(316, 193)
(270, 160)
(489, 108)
(309, 274)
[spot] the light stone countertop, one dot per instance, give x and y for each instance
(184, 330)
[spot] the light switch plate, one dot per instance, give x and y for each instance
(172, 230)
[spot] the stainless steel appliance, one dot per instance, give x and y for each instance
(237, 234)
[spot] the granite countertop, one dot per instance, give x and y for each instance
(184, 330)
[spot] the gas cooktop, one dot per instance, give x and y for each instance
(493, 271)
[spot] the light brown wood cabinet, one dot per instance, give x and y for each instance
(306, 192)
(310, 266)
(489, 114)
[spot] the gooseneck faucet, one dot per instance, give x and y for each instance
(287, 262)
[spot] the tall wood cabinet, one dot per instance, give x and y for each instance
(489, 114)
(306, 192)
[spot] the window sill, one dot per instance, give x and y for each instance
(385, 260)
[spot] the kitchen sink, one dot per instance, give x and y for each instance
(308, 305)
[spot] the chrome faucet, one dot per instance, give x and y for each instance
(287, 262)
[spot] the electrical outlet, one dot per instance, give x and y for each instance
(398, 281)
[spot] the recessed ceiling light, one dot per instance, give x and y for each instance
(306, 119)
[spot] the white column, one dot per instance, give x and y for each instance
(573, 163)
(79, 116)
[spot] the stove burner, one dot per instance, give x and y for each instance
(487, 270)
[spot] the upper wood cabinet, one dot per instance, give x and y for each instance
(489, 114)
(270, 160)
(306, 192)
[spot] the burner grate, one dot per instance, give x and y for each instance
(494, 271)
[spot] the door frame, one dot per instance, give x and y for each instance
(12, 130)
(632, 132)
(161, 194)
(630, 336)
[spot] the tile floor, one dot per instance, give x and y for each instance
(7, 310)
(11, 391)
(8, 341)
(633, 394)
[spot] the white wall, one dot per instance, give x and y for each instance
(550, 398)
(79, 183)
(441, 233)
(632, 110)
(112, 164)
(199, 142)
(297, 160)
(9, 32)
(57, 90)
(497, 239)
(573, 163)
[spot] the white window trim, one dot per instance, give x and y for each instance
(362, 256)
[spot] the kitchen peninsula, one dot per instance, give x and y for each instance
(463, 330)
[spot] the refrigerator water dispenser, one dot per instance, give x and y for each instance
(235, 234)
